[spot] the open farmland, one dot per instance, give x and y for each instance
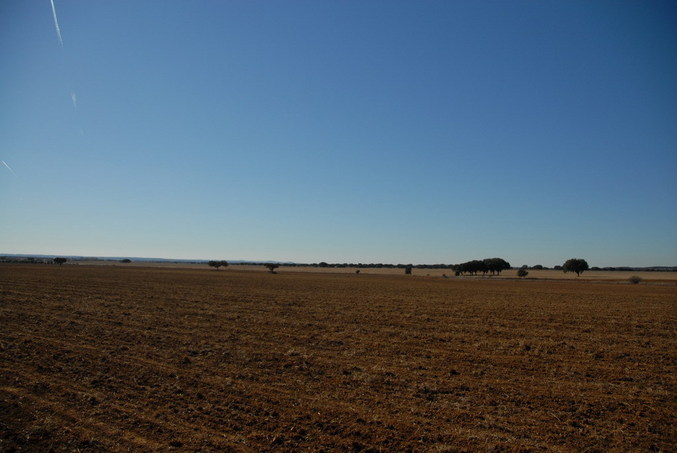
(539, 274)
(107, 358)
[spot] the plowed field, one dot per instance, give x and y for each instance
(141, 359)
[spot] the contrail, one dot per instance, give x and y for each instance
(8, 167)
(74, 98)
(56, 24)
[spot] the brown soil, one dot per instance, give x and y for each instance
(150, 359)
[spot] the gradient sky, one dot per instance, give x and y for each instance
(341, 131)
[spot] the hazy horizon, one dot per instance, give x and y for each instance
(373, 132)
(249, 261)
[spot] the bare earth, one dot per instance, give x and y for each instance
(127, 358)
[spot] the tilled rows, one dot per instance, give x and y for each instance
(143, 359)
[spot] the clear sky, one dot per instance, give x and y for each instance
(340, 131)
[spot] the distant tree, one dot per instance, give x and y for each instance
(59, 261)
(465, 267)
(493, 265)
(407, 269)
(479, 266)
(218, 264)
(323, 264)
(522, 273)
(537, 267)
(496, 265)
(271, 267)
(577, 265)
(126, 261)
(557, 268)
(472, 267)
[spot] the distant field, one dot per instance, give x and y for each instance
(117, 359)
(509, 274)
(512, 273)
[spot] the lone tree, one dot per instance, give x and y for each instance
(218, 264)
(577, 265)
(60, 261)
(271, 267)
(522, 273)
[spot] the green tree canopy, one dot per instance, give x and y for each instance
(218, 264)
(496, 265)
(577, 265)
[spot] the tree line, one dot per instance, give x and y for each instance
(493, 265)
(474, 267)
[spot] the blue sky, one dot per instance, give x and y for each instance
(341, 131)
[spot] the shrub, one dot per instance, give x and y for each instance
(635, 279)
(522, 272)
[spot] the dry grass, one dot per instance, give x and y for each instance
(152, 359)
(544, 274)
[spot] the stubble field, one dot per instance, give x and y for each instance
(120, 359)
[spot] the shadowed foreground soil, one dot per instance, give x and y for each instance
(135, 359)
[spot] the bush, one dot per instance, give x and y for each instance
(635, 279)
(522, 273)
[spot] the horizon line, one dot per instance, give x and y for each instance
(158, 259)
